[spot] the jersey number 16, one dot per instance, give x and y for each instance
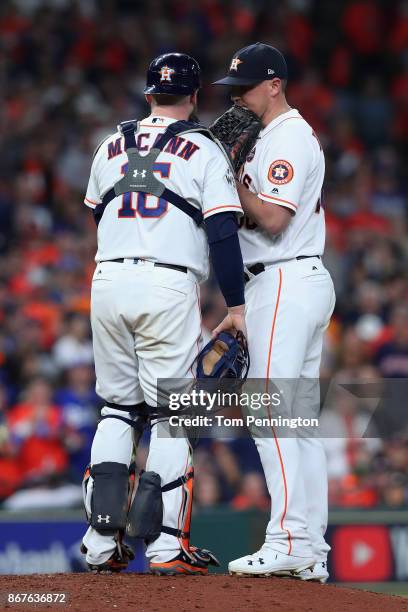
(128, 212)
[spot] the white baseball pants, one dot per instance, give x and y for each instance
(146, 325)
(288, 307)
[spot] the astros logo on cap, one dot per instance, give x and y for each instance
(280, 172)
(166, 73)
(235, 63)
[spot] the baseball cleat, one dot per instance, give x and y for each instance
(118, 562)
(195, 564)
(318, 573)
(269, 562)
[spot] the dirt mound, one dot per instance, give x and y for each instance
(145, 593)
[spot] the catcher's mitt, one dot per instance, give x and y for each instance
(237, 129)
(225, 356)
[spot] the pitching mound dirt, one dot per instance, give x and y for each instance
(145, 593)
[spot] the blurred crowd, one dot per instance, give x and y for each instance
(69, 73)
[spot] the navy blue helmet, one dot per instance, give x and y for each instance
(173, 73)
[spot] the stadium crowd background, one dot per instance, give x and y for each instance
(69, 73)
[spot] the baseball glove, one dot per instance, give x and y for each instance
(237, 129)
(225, 356)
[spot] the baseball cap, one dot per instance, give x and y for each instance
(255, 63)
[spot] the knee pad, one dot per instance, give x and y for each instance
(107, 487)
(146, 512)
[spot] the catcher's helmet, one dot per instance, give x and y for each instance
(173, 73)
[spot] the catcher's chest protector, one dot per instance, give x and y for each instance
(140, 177)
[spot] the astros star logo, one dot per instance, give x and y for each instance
(166, 73)
(235, 63)
(280, 172)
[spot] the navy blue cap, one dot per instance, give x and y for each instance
(255, 63)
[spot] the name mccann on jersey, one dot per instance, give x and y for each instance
(176, 146)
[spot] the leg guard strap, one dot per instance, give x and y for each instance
(177, 533)
(139, 423)
(158, 412)
(183, 532)
(178, 482)
(161, 414)
(142, 408)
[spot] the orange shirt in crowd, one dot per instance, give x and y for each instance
(41, 451)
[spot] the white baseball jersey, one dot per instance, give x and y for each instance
(285, 168)
(144, 226)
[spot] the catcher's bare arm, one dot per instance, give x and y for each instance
(274, 219)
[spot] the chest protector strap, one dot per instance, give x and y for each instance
(140, 176)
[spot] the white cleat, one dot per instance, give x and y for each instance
(269, 562)
(317, 573)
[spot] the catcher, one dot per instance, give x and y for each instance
(163, 194)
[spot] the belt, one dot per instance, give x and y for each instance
(257, 268)
(156, 264)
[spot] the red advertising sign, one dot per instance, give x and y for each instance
(361, 554)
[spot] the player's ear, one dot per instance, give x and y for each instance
(275, 86)
(149, 99)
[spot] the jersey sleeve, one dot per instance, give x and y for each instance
(92, 196)
(219, 190)
(284, 169)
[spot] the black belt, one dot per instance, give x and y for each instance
(257, 268)
(156, 264)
